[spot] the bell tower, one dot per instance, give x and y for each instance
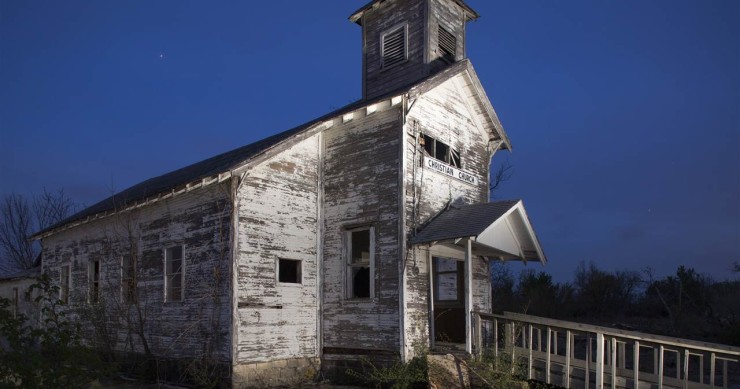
(404, 41)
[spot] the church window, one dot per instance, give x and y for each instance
(128, 278)
(174, 269)
(93, 278)
(441, 151)
(65, 279)
(360, 252)
(394, 47)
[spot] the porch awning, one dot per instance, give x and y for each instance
(499, 230)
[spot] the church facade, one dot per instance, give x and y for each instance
(366, 232)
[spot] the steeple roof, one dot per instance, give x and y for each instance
(357, 15)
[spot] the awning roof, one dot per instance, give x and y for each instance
(499, 230)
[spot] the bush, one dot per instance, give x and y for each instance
(46, 354)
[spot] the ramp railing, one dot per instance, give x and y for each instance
(576, 355)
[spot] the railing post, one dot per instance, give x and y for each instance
(614, 363)
(686, 368)
(589, 357)
(495, 338)
(712, 369)
(660, 366)
(636, 364)
(568, 352)
(547, 359)
(531, 345)
(599, 360)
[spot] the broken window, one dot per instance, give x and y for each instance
(93, 276)
(393, 46)
(360, 266)
(65, 275)
(289, 271)
(440, 151)
(128, 279)
(174, 266)
(447, 44)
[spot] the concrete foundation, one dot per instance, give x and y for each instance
(286, 372)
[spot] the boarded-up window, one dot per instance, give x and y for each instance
(448, 282)
(93, 277)
(64, 283)
(289, 271)
(447, 44)
(360, 262)
(174, 269)
(441, 151)
(393, 46)
(128, 278)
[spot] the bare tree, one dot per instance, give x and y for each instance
(17, 250)
(20, 217)
(501, 175)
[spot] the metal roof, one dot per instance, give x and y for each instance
(231, 159)
(462, 221)
(499, 229)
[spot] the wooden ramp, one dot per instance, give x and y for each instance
(575, 355)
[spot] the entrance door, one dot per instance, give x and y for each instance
(449, 300)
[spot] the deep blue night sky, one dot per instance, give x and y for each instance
(624, 115)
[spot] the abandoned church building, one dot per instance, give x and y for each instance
(366, 232)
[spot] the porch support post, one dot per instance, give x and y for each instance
(468, 296)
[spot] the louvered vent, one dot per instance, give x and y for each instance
(394, 47)
(447, 44)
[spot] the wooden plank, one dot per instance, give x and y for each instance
(568, 357)
(547, 363)
(661, 352)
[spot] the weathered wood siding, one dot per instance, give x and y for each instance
(278, 218)
(378, 81)
(451, 17)
(361, 179)
(200, 222)
(442, 113)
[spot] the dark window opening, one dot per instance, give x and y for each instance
(64, 275)
(393, 47)
(128, 278)
(289, 271)
(174, 273)
(447, 44)
(360, 263)
(94, 281)
(361, 282)
(441, 151)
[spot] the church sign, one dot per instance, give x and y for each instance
(448, 170)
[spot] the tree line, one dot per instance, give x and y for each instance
(686, 304)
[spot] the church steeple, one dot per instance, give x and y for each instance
(404, 41)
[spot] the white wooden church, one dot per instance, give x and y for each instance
(363, 233)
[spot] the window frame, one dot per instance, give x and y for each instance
(383, 35)
(452, 157)
(349, 265)
(93, 284)
(167, 260)
(65, 285)
(129, 295)
(300, 272)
